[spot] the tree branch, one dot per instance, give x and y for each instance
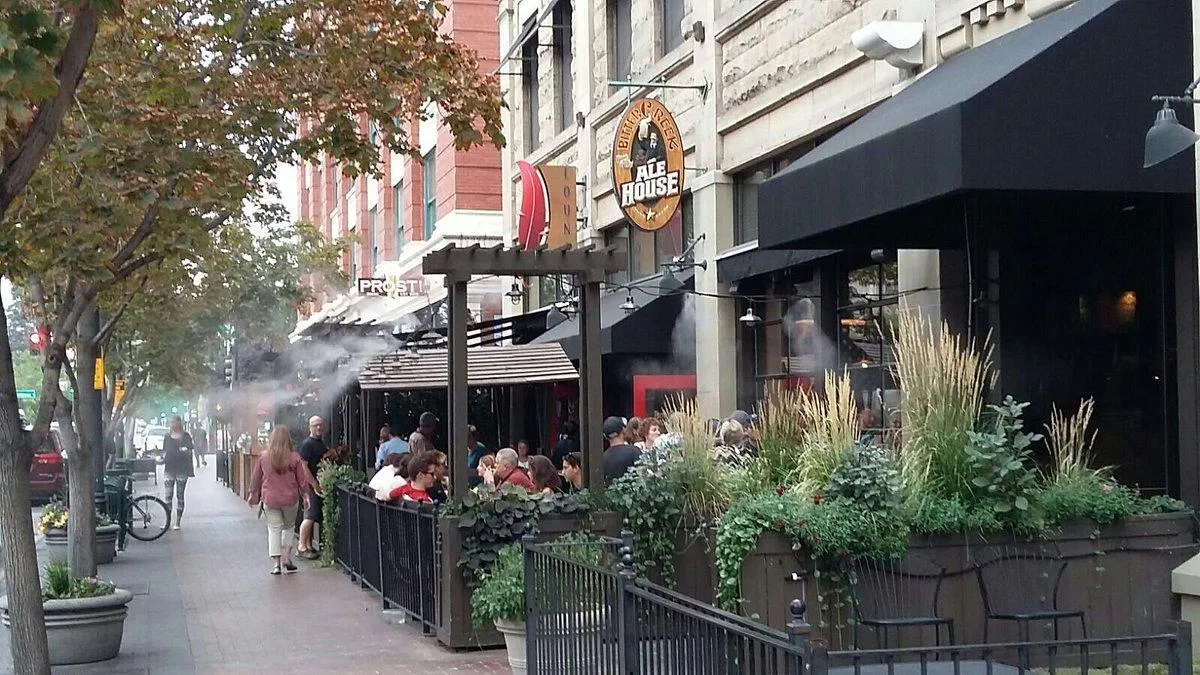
(22, 159)
(106, 332)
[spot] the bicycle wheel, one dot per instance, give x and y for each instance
(147, 518)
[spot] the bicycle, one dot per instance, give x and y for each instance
(145, 517)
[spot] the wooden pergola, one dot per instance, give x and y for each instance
(590, 267)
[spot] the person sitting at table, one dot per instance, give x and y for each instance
(545, 479)
(508, 471)
(384, 480)
(422, 475)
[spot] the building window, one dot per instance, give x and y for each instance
(672, 24)
(429, 190)
(868, 315)
(337, 187)
(648, 251)
(398, 215)
(563, 46)
(620, 39)
(529, 91)
(373, 225)
(353, 261)
(372, 133)
(745, 188)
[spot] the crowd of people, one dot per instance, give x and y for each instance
(412, 470)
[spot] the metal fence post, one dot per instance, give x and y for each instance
(1181, 652)
(629, 650)
(799, 632)
(379, 525)
(531, 609)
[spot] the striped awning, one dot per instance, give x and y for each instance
(500, 365)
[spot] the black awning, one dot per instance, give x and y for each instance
(528, 31)
(1062, 104)
(758, 261)
(648, 331)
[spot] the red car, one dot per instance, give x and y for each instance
(49, 472)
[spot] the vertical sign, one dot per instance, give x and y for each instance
(563, 210)
(118, 392)
(98, 376)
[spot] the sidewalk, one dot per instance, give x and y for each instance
(204, 603)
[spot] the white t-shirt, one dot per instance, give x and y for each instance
(383, 478)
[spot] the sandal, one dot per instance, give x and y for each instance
(290, 568)
(276, 571)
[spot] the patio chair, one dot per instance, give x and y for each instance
(893, 594)
(1019, 583)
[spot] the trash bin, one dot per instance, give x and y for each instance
(114, 493)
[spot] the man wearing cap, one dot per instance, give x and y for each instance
(750, 441)
(620, 455)
(421, 440)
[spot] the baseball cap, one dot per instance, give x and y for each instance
(614, 426)
(741, 417)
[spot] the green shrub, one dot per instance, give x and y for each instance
(329, 476)
(931, 514)
(499, 593)
(60, 585)
(1000, 464)
(868, 475)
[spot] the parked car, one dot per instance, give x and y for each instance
(152, 441)
(48, 475)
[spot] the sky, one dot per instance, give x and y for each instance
(288, 181)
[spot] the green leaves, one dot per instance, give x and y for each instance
(1001, 465)
(491, 519)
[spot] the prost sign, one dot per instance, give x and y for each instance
(391, 287)
(647, 163)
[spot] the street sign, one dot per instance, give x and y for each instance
(98, 377)
(26, 394)
(118, 392)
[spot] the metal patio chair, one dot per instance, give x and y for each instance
(893, 594)
(1019, 583)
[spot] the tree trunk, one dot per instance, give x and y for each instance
(80, 551)
(130, 430)
(80, 472)
(27, 635)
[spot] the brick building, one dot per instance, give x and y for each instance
(450, 196)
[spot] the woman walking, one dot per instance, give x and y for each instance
(281, 479)
(177, 467)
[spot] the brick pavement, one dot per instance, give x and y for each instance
(204, 603)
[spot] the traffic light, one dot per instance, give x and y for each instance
(39, 339)
(228, 371)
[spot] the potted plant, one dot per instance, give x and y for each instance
(499, 598)
(53, 526)
(85, 618)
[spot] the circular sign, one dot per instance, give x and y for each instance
(647, 165)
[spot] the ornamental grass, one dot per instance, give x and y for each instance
(944, 381)
(830, 421)
(1070, 441)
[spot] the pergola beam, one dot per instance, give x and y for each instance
(476, 260)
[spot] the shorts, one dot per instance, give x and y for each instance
(313, 512)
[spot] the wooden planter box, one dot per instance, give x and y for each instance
(455, 629)
(1126, 590)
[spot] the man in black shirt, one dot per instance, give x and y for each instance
(311, 451)
(620, 456)
(567, 443)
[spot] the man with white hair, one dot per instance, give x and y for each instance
(311, 451)
(509, 473)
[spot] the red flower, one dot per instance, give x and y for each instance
(817, 498)
(779, 491)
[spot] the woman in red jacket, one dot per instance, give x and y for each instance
(281, 479)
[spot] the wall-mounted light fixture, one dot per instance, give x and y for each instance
(669, 282)
(900, 43)
(695, 31)
(1167, 137)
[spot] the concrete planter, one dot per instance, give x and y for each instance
(514, 642)
(85, 630)
(104, 550)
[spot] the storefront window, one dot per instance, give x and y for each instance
(868, 314)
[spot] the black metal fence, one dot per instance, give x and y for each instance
(392, 549)
(588, 612)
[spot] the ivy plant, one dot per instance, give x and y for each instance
(329, 476)
(867, 475)
(648, 498)
(490, 519)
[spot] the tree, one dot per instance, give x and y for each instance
(188, 108)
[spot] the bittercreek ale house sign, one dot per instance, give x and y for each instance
(648, 164)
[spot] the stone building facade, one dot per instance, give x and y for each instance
(753, 84)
